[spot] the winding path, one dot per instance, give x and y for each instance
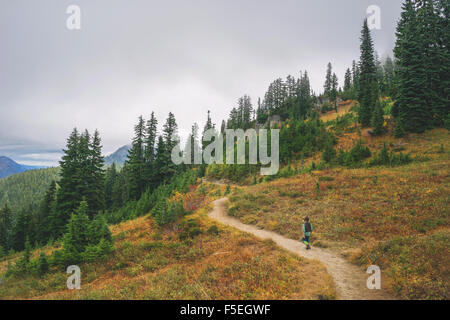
(350, 281)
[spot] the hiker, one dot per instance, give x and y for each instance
(307, 228)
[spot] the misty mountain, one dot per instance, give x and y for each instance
(119, 156)
(9, 167)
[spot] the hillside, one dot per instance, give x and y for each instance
(395, 217)
(25, 190)
(194, 259)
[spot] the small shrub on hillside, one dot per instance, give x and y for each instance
(167, 211)
(355, 156)
(386, 158)
(43, 266)
(329, 154)
(190, 229)
(213, 230)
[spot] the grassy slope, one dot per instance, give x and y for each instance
(394, 217)
(153, 263)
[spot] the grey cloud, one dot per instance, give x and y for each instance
(132, 57)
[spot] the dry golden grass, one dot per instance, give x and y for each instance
(366, 207)
(343, 108)
(150, 262)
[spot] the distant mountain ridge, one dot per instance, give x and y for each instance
(119, 156)
(8, 167)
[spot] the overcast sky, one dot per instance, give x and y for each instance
(132, 57)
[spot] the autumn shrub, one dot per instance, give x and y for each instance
(386, 158)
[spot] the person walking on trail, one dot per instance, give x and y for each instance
(307, 228)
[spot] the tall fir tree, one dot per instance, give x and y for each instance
(150, 151)
(347, 80)
(6, 222)
(368, 86)
(328, 80)
(409, 105)
(135, 163)
(46, 213)
(334, 90)
(68, 197)
(95, 195)
(171, 139)
(110, 179)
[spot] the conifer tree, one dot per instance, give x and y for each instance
(171, 139)
(110, 179)
(46, 213)
(368, 86)
(334, 90)
(68, 196)
(388, 71)
(378, 120)
(328, 80)
(135, 163)
(304, 96)
(21, 230)
(150, 150)
(43, 265)
(5, 227)
(75, 239)
(409, 106)
(347, 80)
(95, 195)
(237, 121)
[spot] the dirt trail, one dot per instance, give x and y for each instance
(350, 280)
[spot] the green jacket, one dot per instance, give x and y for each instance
(308, 234)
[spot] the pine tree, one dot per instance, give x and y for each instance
(388, 71)
(441, 56)
(304, 96)
(334, 90)
(136, 162)
(347, 80)
(43, 265)
(5, 227)
(195, 144)
(21, 230)
(75, 239)
(160, 161)
(409, 106)
(368, 86)
(329, 154)
(46, 213)
(378, 120)
(150, 150)
(245, 111)
(171, 139)
(399, 131)
(68, 196)
(110, 179)
(237, 121)
(328, 80)
(120, 192)
(95, 195)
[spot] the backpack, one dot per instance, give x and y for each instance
(308, 227)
